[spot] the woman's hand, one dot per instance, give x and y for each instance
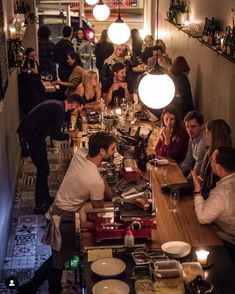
(56, 82)
(166, 135)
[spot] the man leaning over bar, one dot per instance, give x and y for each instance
(82, 183)
(220, 205)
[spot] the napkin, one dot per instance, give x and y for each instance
(94, 254)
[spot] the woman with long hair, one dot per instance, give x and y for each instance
(83, 47)
(136, 42)
(173, 141)
(103, 49)
(89, 89)
(218, 133)
(75, 77)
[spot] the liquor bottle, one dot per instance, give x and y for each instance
(142, 156)
(233, 44)
(205, 30)
(226, 39)
(229, 43)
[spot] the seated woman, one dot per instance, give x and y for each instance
(75, 77)
(89, 89)
(218, 133)
(173, 141)
(147, 48)
(30, 63)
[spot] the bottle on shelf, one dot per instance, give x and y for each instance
(226, 40)
(129, 238)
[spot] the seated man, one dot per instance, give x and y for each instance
(118, 88)
(81, 183)
(220, 205)
(194, 123)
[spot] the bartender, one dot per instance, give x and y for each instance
(81, 183)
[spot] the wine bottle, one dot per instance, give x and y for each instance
(226, 38)
(142, 156)
(205, 30)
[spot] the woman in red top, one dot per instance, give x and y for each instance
(173, 141)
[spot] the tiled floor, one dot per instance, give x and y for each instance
(25, 252)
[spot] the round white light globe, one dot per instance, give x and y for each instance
(156, 90)
(119, 32)
(91, 2)
(101, 12)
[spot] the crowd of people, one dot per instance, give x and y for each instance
(202, 150)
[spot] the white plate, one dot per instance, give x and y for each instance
(108, 267)
(177, 249)
(110, 286)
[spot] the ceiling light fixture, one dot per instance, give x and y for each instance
(101, 11)
(119, 32)
(156, 89)
(91, 2)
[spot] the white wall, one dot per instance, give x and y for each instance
(212, 77)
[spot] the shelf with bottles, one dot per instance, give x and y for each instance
(192, 30)
(213, 43)
(15, 53)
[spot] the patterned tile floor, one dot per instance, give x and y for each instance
(25, 252)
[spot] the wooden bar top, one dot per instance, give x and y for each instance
(182, 225)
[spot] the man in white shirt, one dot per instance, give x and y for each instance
(220, 205)
(194, 123)
(81, 183)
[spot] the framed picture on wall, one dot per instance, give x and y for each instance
(3, 57)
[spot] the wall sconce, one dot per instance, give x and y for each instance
(101, 11)
(17, 28)
(119, 32)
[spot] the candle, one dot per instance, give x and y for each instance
(118, 111)
(202, 256)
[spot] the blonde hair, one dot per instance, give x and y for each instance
(166, 64)
(87, 76)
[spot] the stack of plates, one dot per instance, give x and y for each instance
(176, 249)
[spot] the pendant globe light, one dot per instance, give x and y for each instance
(156, 89)
(91, 2)
(101, 11)
(119, 32)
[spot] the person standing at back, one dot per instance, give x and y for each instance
(83, 47)
(46, 53)
(103, 49)
(61, 51)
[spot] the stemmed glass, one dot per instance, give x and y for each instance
(174, 197)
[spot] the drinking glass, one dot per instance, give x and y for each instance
(174, 197)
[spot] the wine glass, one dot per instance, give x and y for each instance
(174, 197)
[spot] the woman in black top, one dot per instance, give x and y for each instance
(103, 49)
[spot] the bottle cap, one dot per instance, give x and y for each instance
(129, 231)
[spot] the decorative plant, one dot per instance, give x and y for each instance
(176, 8)
(22, 7)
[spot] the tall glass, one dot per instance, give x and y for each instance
(174, 197)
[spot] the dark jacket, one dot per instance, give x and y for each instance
(46, 58)
(102, 51)
(46, 119)
(31, 91)
(61, 51)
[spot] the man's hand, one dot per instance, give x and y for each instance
(197, 181)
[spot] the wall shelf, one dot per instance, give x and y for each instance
(198, 36)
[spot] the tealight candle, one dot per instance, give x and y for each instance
(118, 111)
(202, 256)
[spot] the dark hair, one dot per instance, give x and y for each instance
(174, 111)
(28, 51)
(84, 33)
(99, 140)
(44, 32)
(135, 35)
(180, 65)
(76, 98)
(156, 48)
(67, 31)
(118, 66)
(103, 36)
(226, 158)
(220, 133)
(74, 55)
(198, 116)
